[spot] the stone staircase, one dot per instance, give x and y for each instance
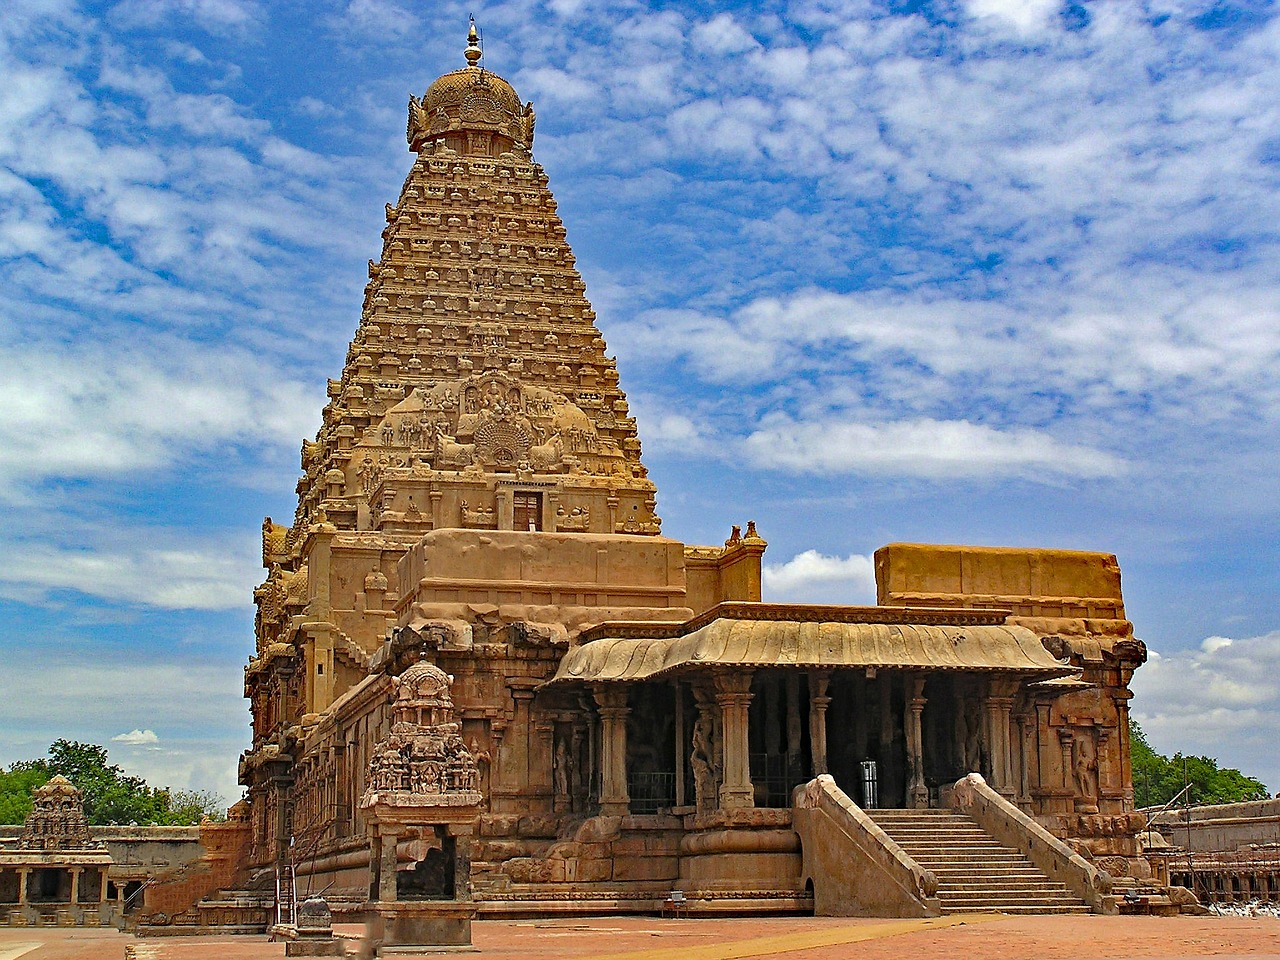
(975, 872)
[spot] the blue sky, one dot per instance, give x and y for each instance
(978, 271)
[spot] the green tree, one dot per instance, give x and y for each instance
(16, 785)
(110, 794)
(1157, 778)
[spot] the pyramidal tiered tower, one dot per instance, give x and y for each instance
(477, 392)
(475, 495)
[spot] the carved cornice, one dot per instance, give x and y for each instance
(798, 613)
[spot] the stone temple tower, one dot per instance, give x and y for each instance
(476, 392)
(475, 493)
(482, 671)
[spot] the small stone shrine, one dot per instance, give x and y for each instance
(421, 797)
(57, 875)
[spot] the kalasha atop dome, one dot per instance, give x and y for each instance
(471, 100)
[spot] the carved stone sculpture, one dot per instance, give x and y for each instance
(423, 762)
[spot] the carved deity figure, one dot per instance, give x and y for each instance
(704, 778)
(1086, 767)
(563, 773)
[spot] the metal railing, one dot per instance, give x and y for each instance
(651, 792)
(771, 780)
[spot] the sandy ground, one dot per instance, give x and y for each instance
(813, 938)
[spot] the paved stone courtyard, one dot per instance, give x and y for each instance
(813, 938)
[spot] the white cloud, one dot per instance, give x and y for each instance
(108, 409)
(927, 448)
(379, 20)
(723, 34)
(182, 574)
(1026, 15)
(200, 718)
(1219, 699)
(137, 738)
(813, 577)
(213, 15)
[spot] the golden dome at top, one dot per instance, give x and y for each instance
(453, 89)
(57, 785)
(471, 101)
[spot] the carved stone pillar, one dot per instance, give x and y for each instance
(75, 884)
(733, 696)
(102, 885)
(917, 791)
(705, 755)
(1066, 739)
(1125, 760)
(23, 874)
(818, 703)
(615, 800)
(518, 748)
(387, 866)
(542, 755)
(681, 744)
(582, 763)
(1026, 743)
(999, 707)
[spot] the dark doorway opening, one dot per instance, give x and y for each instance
(432, 877)
(526, 511)
(651, 751)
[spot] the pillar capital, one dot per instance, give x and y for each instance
(611, 696)
(732, 683)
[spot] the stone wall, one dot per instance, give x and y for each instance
(1222, 827)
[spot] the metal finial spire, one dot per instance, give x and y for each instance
(473, 53)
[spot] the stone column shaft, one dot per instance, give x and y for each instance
(615, 799)
(917, 791)
(733, 696)
(75, 884)
(818, 703)
(998, 710)
(1066, 739)
(387, 869)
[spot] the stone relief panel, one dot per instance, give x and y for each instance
(494, 421)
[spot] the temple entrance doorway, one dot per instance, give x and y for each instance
(865, 723)
(651, 748)
(778, 736)
(526, 508)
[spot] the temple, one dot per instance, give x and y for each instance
(484, 676)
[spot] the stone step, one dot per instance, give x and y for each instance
(1015, 898)
(974, 845)
(938, 836)
(962, 857)
(953, 858)
(1004, 883)
(1018, 910)
(951, 874)
(975, 871)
